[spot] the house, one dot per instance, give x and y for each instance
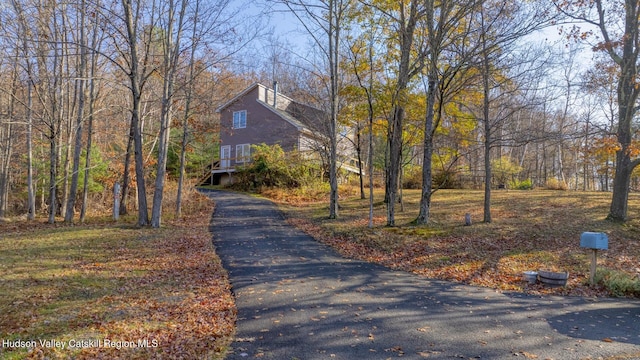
(259, 115)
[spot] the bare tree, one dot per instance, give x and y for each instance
(173, 27)
(31, 202)
(45, 38)
(187, 111)
(138, 74)
(404, 20)
(618, 23)
(361, 58)
(600, 84)
(81, 96)
(96, 40)
(25, 50)
(445, 27)
(329, 17)
(6, 138)
(502, 24)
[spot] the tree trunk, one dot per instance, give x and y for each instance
(81, 96)
(163, 144)
(370, 162)
(333, 32)
(53, 173)
(183, 158)
(393, 169)
(184, 142)
(172, 49)
(7, 144)
(6, 138)
(359, 154)
(627, 95)
(187, 112)
(400, 185)
(488, 136)
(124, 196)
(624, 164)
(31, 201)
(487, 172)
(64, 113)
(621, 183)
(136, 88)
(143, 212)
(92, 98)
(406, 34)
(427, 182)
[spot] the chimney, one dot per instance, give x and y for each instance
(275, 94)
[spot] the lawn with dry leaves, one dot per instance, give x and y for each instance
(113, 291)
(531, 230)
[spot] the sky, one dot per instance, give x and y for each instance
(280, 25)
(278, 22)
(286, 28)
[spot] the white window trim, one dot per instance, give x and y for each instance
(242, 114)
(246, 153)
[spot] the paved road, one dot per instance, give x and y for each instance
(298, 299)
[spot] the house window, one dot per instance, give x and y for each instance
(243, 153)
(240, 119)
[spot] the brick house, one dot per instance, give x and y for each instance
(259, 115)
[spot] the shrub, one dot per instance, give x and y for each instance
(618, 283)
(504, 169)
(521, 185)
(555, 184)
(271, 167)
(412, 178)
(442, 179)
(309, 192)
(447, 179)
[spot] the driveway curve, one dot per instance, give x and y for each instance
(299, 299)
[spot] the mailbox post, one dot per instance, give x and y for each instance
(594, 241)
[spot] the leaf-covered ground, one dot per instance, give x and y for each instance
(531, 230)
(113, 291)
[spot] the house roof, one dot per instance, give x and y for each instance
(304, 117)
(245, 92)
(283, 114)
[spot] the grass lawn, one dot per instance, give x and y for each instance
(107, 290)
(531, 230)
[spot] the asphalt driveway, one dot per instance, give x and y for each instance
(298, 299)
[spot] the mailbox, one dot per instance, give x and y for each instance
(594, 240)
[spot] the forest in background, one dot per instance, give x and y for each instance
(441, 94)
